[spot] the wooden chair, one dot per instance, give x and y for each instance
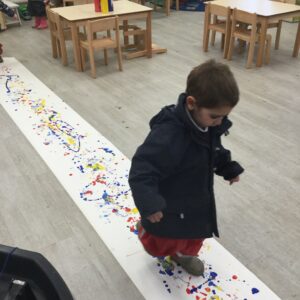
(59, 34)
(105, 42)
(250, 36)
(213, 10)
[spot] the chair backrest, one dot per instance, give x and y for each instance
(52, 20)
(244, 17)
(214, 9)
(56, 25)
(100, 25)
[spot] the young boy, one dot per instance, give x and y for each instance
(172, 172)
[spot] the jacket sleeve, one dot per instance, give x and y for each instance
(224, 166)
(153, 161)
(6, 10)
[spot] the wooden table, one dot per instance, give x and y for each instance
(267, 12)
(78, 16)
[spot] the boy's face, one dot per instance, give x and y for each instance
(206, 117)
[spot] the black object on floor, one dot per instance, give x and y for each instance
(26, 275)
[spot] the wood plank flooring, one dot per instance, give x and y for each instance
(258, 218)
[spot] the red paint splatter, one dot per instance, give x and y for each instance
(234, 277)
(98, 180)
(130, 219)
(88, 193)
(188, 291)
(114, 210)
(70, 174)
(207, 289)
(127, 209)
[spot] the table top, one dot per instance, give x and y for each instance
(260, 7)
(87, 11)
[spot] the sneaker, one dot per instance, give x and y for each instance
(192, 264)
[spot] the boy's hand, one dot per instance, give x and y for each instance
(233, 180)
(156, 217)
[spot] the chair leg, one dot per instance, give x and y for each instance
(268, 50)
(297, 43)
(64, 57)
(213, 33)
(54, 46)
(206, 30)
(105, 57)
(58, 48)
(242, 45)
(83, 57)
(278, 31)
(230, 48)
(92, 63)
(223, 41)
(213, 38)
(120, 62)
(250, 55)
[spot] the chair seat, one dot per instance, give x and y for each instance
(220, 27)
(99, 44)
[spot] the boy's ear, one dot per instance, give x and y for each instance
(190, 102)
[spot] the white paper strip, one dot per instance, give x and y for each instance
(94, 173)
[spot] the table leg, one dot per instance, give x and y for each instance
(76, 46)
(149, 35)
(167, 4)
(297, 43)
(262, 42)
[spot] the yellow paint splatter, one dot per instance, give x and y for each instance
(96, 167)
(71, 141)
(134, 210)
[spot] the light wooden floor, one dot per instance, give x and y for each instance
(258, 218)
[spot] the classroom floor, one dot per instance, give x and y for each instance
(258, 218)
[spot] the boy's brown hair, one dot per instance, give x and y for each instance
(213, 85)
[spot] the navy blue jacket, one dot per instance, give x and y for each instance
(173, 170)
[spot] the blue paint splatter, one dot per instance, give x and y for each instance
(254, 291)
(107, 150)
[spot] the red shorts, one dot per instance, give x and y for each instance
(159, 246)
